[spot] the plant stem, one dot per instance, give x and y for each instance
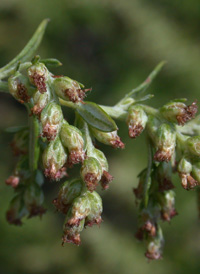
(34, 149)
(147, 182)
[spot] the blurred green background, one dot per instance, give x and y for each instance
(110, 46)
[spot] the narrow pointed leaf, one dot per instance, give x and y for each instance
(28, 51)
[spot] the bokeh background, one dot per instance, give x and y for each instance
(111, 46)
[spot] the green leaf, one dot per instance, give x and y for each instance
(27, 52)
(15, 129)
(96, 117)
(51, 62)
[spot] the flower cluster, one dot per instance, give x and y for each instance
(51, 146)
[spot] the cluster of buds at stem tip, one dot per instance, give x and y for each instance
(108, 138)
(164, 139)
(136, 120)
(178, 112)
(72, 139)
(147, 226)
(51, 120)
(38, 76)
(85, 211)
(19, 87)
(54, 159)
(69, 90)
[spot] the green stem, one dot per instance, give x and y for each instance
(34, 149)
(147, 182)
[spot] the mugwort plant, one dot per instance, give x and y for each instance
(49, 145)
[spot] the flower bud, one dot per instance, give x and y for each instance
(108, 138)
(38, 75)
(154, 246)
(167, 203)
(72, 139)
(139, 190)
(54, 158)
(16, 211)
(193, 145)
(163, 176)
(69, 89)
(80, 209)
(13, 181)
(19, 143)
(91, 172)
(185, 169)
(106, 178)
(165, 142)
(94, 216)
(19, 87)
(67, 193)
(179, 112)
(136, 121)
(40, 101)
(72, 233)
(51, 119)
(33, 199)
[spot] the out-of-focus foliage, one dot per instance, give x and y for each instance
(110, 45)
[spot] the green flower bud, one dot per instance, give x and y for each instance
(16, 211)
(185, 169)
(155, 246)
(167, 203)
(136, 121)
(69, 89)
(67, 193)
(19, 143)
(72, 233)
(72, 139)
(94, 216)
(54, 158)
(80, 209)
(179, 112)
(51, 120)
(165, 142)
(40, 101)
(91, 172)
(33, 199)
(38, 75)
(13, 181)
(193, 145)
(106, 178)
(185, 166)
(19, 87)
(163, 176)
(108, 138)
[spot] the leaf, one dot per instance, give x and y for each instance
(27, 52)
(15, 129)
(96, 117)
(51, 62)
